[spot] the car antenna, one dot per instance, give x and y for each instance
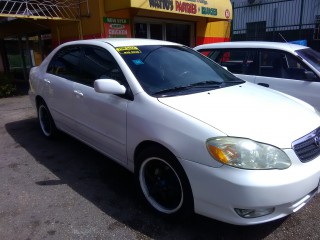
(285, 40)
(283, 37)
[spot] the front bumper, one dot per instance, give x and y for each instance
(218, 191)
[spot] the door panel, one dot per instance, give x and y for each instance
(61, 72)
(60, 101)
(101, 119)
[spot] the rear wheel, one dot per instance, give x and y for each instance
(163, 183)
(46, 122)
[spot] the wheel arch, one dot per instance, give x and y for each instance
(38, 100)
(151, 144)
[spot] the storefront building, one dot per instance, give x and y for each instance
(25, 39)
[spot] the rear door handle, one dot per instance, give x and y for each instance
(264, 84)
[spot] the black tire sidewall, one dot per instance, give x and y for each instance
(52, 132)
(187, 207)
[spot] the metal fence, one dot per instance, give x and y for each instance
(277, 20)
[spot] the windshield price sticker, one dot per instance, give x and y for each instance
(128, 50)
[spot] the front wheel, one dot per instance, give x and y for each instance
(163, 183)
(46, 122)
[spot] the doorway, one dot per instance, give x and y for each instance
(24, 52)
(179, 32)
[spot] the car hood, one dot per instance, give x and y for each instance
(250, 111)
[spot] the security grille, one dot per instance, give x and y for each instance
(256, 30)
(41, 9)
(316, 32)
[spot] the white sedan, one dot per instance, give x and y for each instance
(289, 68)
(197, 138)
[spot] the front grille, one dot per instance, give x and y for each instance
(307, 148)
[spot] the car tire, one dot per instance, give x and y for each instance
(163, 184)
(47, 125)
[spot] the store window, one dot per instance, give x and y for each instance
(156, 31)
(141, 30)
(179, 33)
(170, 31)
(152, 31)
(24, 52)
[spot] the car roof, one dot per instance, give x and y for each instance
(253, 44)
(123, 42)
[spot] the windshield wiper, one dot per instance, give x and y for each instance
(174, 89)
(235, 82)
(204, 84)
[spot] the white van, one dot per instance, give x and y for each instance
(289, 68)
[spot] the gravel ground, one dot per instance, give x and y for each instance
(62, 189)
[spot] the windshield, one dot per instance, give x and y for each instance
(171, 70)
(311, 56)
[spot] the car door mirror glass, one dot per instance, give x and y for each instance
(109, 86)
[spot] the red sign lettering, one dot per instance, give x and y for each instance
(184, 7)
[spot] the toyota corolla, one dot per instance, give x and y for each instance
(197, 138)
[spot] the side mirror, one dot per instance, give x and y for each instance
(109, 86)
(310, 75)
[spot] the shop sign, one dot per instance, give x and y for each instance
(205, 8)
(116, 27)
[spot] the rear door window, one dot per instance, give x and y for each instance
(238, 61)
(66, 63)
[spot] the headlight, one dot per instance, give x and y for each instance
(247, 154)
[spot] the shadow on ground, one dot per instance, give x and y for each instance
(111, 188)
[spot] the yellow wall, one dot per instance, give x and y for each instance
(123, 13)
(111, 5)
(63, 31)
(92, 26)
(218, 31)
(91, 23)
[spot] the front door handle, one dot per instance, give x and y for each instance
(78, 93)
(263, 84)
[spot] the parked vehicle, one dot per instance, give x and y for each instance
(197, 138)
(289, 68)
